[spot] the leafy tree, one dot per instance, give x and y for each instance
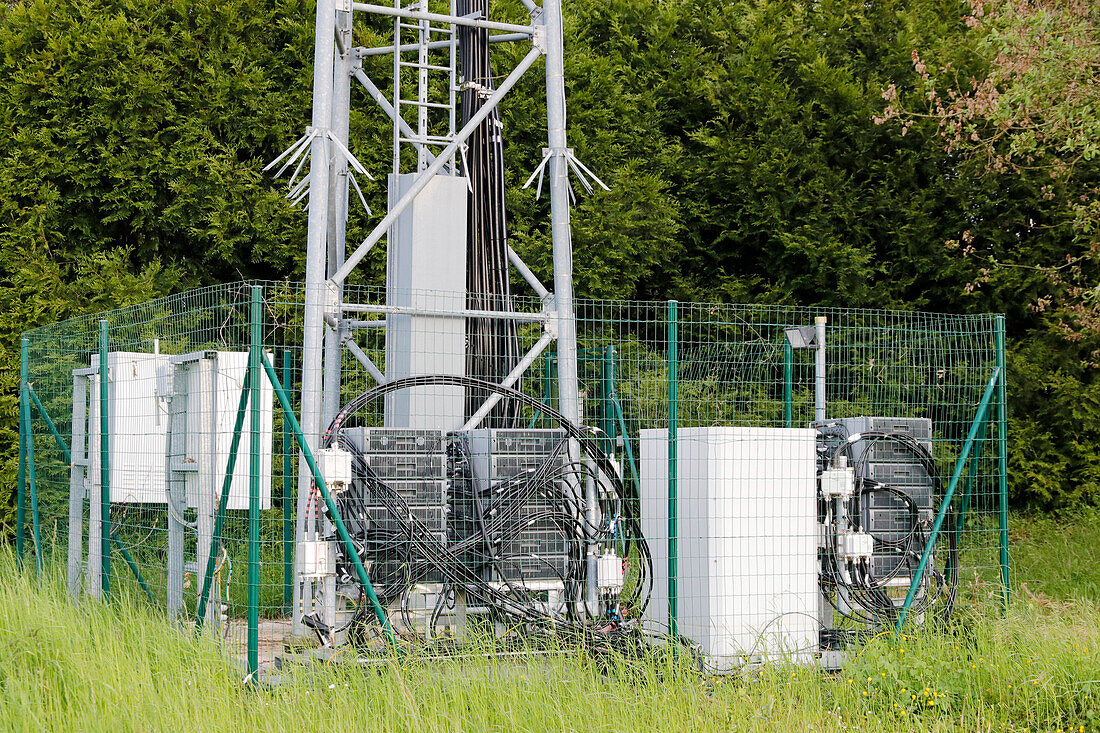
(130, 163)
(739, 140)
(1011, 97)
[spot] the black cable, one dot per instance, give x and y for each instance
(867, 599)
(492, 344)
(403, 557)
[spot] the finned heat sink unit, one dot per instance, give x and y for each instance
(398, 499)
(508, 486)
(895, 489)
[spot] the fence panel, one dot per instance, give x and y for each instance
(707, 521)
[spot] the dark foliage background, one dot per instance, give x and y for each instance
(739, 139)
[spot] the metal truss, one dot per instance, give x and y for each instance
(423, 119)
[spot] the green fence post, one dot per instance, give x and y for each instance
(255, 344)
(32, 481)
(104, 461)
(21, 485)
(1002, 459)
(288, 496)
(960, 464)
(788, 384)
(673, 417)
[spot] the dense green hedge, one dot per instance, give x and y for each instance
(738, 139)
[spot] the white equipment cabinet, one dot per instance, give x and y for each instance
(170, 426)
(158, 405)
(203, 389)
(136, 427)
(747, 541)
(136, 436)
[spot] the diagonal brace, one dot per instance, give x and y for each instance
(425, 176)
(511, 379)
(64, 448)
(334, 513)
(219, 517)
(377, 95)
(960, 464)
(49, 423)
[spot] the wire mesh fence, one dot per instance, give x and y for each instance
(705, 500)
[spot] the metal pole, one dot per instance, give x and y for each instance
(78, 473)
(788, 384)
(1002, 459)
(313, 324)
(255, 344)
(362, 357)
(569, 403)
(338, 209)
(288, 497)
(441, 18)
(949, 493)
(363, 52)
(819, 371)
(673, 418)
(104, 462)
(21, 497)
(337, 233)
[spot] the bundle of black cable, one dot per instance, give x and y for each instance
(472, 557)
(492, 348)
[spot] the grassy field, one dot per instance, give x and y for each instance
(1058, 558)
(95, 667)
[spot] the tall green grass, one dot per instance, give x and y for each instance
(1057, 557)
(91, 666)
